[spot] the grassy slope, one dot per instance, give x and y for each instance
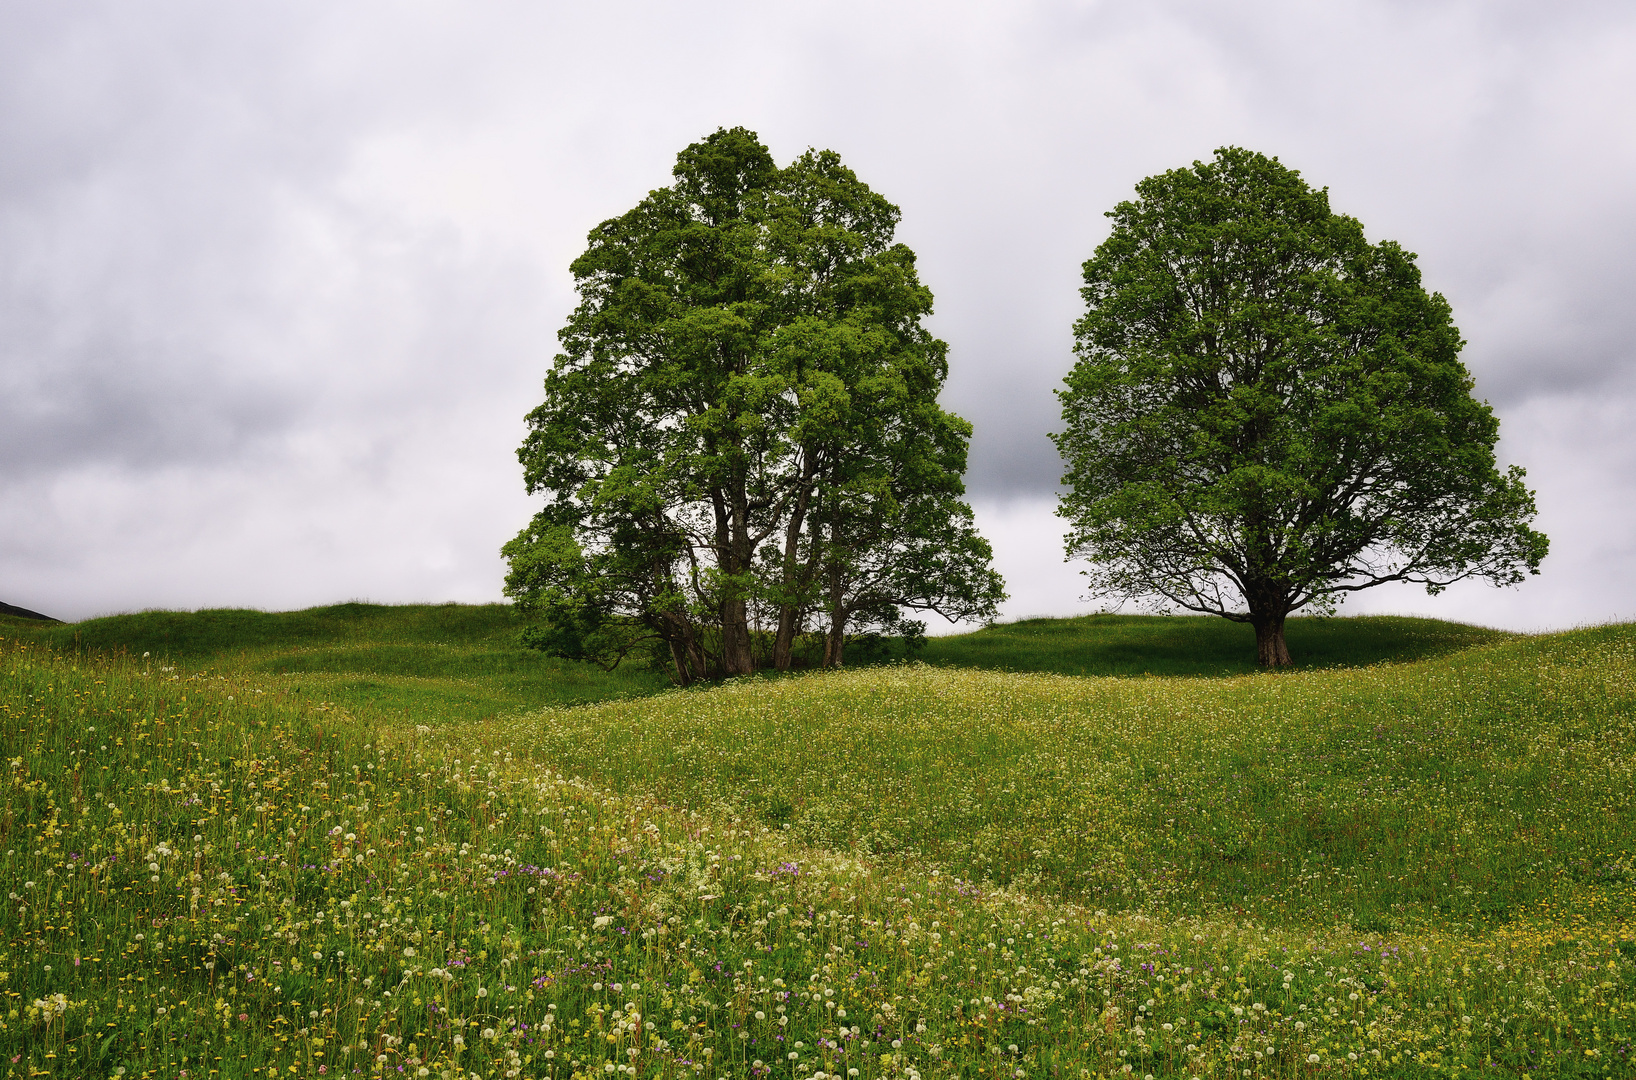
(453, 661)
(1493, 782)
(438, 662)
(1440, 851)
(1194, 644)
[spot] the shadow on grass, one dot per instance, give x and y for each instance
(1196, 645)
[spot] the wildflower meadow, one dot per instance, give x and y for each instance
(1404, 869)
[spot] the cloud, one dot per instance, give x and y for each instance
(278, 282)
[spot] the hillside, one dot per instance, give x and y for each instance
(459, 661)
(438, 661)
(1421, 868)
(1195, 644)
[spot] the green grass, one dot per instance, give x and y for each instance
(442, 661)
(1472, 787)
(1195, 644)
(1421, 868)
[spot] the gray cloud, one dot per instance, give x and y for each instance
(278, 282)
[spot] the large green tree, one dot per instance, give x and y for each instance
(748, 341)
(1269, 412)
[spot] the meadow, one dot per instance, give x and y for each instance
(226, 862)
(457, 661)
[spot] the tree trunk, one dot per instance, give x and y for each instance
(789, 621)
(733, 558)
(835, 642)
(684, 650)
(1270, 650)
(678, 656)
(737, 658)
(796, 577)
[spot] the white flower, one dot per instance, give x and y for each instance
(409, 950)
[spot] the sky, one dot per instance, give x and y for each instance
(279, 281)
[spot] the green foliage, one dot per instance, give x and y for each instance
(742, 426)
(1269, 412)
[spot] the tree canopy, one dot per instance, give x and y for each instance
(742, 429)
(1269, 412)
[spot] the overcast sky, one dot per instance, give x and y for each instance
(278, 282)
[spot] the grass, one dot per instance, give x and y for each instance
(439, 661)
(1473, 787)
(1422, 868)
(1200, 645)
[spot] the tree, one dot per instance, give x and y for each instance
(889, 530)
(1268, 412)
(744, 337)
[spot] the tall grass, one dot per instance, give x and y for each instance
(206, 876)
(1474, 787)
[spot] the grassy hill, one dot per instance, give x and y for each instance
(437, 661)
(458, 661)
(1194, 644)
(224, 863)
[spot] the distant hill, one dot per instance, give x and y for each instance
(23, 613)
